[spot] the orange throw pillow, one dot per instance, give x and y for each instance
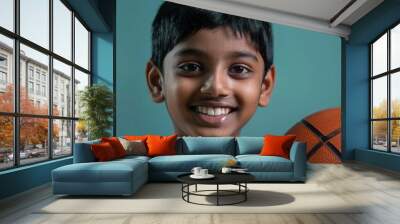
(161, 145)
(135, 138)
(277, 145)
(103, 152)
(116, 145)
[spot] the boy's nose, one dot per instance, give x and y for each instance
(215, 85)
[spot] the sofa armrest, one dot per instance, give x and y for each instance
(299, 158)
(83, 152)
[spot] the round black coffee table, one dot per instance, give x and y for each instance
(238, 179)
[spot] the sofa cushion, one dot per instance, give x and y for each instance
(135, 147)
(185, 163)
(161, 145)
(257, 163)
(83, 152)
(277, 145)
(103, 152)
(116, 145)
(111, 171)
(132, 158)
(249, 145)
(206, 145)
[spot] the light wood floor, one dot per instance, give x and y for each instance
(377, 188)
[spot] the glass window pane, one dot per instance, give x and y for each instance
(35, 21)
(6, 142)
(395, 47)
(379, 135)
(395, 135)
(62, 89)
(81, 131)
(395, 94)
(379, 97)
(33, 140)
(62, 138)
(34, 97)
(62, 29)
(7, 14)
(81, 45)
(379, 55)
(6, 74)
(81, 81)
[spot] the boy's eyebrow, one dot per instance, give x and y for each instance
(198, 52)
(243, 54)
(190, 51)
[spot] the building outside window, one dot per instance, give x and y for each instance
(385, 91)
(30, 72)
(43, 90)
(3, 78)
(30, 87)
(59, 124)
(3, 61)
(38, 89)
(3, 72)
(37, 75)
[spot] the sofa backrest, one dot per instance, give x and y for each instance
(206, 145)
(249, 145)
(83, 152)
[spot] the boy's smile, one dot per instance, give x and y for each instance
(213, 82)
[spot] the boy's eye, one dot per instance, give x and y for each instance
(190, 67)
(239, 70)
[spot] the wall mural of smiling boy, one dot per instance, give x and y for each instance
(197, 72)
(211, 69)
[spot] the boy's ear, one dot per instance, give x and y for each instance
(154, 82)
(267, 87)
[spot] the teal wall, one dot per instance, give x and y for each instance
(356, 118)
(308, 76)
(24, 178)
(102, 58)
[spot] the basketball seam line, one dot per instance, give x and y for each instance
(323, 139)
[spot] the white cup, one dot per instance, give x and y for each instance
(203, 172)
(196, 170)
(226, 170)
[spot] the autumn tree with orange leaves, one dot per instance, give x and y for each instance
(380, 127)
(33, 131)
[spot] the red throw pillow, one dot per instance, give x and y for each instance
(116, 145)
(103, 151)
(161, 145)
(277, 145)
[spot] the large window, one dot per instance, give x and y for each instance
(385, 91)
(44, 64)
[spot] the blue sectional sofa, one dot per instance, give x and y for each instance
(125, 176)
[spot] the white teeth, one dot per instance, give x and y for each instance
(213, 111)
(218, 111)
(210, 111)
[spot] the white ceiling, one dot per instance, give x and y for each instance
(319, 9)
(328, 16)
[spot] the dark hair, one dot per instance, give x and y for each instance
(174, 23)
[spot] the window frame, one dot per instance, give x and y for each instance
(16, 115)
(388, 74)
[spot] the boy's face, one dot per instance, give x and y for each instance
(213, 82)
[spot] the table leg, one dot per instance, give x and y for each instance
(188, 189)
(217, 194)
(245, 193)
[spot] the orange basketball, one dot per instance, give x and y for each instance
(322, 133)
